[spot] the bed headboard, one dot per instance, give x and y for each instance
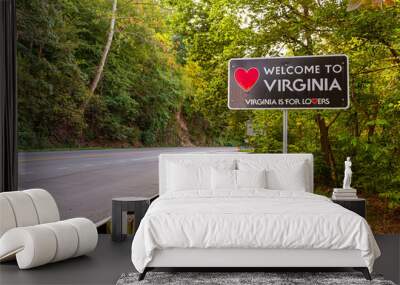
(209, 158)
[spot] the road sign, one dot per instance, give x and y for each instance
(249, 128)
(301, 82)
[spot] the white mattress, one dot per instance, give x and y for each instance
(254, 219)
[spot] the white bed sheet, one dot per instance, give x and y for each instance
(250, 219)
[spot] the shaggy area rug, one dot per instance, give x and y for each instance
(244, 278)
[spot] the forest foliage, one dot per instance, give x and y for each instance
(165, 78)
(212, 32)
(60, 44)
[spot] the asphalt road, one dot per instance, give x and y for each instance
(83, 182)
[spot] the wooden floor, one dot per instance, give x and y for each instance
(110, 260)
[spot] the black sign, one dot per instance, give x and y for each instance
(303, 82)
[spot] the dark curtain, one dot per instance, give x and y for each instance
(8, 97)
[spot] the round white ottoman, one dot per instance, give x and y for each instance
(52, 242)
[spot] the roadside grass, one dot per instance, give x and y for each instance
(246, 149)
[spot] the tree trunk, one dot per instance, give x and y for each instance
(371, 128)
(356, 126)
(373, 116)
(326, 146)
(100, 67)
(309, 44)
(323, 126)
(393, 51)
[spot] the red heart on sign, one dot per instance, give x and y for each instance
(246, 78)
(314, 100)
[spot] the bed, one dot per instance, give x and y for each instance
(247, 210)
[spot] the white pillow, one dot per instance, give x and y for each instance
(251, 178)
(281, 174)
(193, 174)
(183, 178)
(292, 178)
(223, 179)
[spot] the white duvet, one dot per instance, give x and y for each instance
(250, 219)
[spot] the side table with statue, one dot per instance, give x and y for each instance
(347, 196)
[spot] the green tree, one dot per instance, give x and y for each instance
(212, 32)
(97, 73)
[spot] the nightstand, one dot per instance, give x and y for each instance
(121, 207)
(356, 205)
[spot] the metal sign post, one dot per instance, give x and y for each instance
(285, 114)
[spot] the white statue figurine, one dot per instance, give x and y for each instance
(347, 174)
